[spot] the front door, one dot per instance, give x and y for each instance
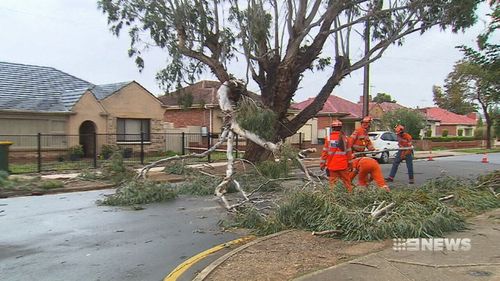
(87, 133)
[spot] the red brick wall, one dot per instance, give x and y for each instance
(192, 117)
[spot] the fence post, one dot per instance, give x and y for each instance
(237, 148)
(142, 148)
(95, 150)
(183, 146)
(300, 140)
(208, 144)
(39, 151)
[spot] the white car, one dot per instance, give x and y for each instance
(383, 140)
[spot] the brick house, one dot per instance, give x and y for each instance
(39, 99)
(440, 120)
(335, 107)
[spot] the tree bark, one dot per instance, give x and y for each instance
(256, 153)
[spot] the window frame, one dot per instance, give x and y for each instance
(127, 137)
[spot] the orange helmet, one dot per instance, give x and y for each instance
(367, 119)
(399, 128)
(336, 123)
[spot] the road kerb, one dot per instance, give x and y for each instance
(183, 267)
(207, 270)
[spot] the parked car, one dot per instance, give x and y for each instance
(383, 140)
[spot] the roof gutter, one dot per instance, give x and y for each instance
(12, 111)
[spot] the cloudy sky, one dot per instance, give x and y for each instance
(73, 36)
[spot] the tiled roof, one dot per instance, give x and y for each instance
(203, 92)
(387, 106)
(446, 117)
(44, 89)
(334, 105)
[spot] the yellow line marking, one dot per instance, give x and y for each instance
(183, 267)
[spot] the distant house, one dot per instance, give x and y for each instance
(335, 107)
(440, 120)
(193, 109)
(39, 99)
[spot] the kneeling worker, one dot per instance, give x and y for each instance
(364, 166)
(336, 156)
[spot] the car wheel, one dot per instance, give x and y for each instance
(384, 158)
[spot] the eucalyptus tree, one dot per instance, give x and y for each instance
(476, 77)
(279, 42)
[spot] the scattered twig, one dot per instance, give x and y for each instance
(325, 232)
(446, 197)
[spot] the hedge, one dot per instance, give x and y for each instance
(447, 139)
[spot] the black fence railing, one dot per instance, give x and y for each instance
(51, 152)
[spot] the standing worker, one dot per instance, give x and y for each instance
(336, 156)
(360, 141)
(404, 141)
(364, 166)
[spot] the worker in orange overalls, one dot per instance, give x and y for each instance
(404, 141)
(364, 166)
(359, 138)
(337, 157)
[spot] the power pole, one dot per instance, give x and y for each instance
(366, 70)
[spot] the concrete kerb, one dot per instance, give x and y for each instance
(212, 266)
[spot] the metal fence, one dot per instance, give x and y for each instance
(49, 152)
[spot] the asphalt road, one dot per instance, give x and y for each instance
(465, 166)
(67, 237)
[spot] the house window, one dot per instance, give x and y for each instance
(468, 132)
(129, 130)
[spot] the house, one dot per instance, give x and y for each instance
(440, 120)
(195, 109)
(39, 99)
(335, 107)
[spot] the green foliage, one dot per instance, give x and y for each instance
(185, 99)
(108, 149)
(88, 174)
(383, 97)
(480, 133)
(416, 213)
(115, 170)
(447, 139)
(460, 132)
(135, 192)
(51, 184)
(453, 99)
(177, 168)
(428, 134)
(199, 185)
(413, 120)
(76, 150)
(444, 133)
(256, 119)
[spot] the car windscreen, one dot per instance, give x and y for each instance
(373, 136)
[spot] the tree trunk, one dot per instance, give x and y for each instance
(256, 153)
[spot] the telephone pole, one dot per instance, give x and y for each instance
(366, 72)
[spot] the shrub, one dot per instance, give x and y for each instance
(76, 151)
(444, 133)
(108, 149)
(460, 132)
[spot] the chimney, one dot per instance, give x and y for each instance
(360, 100)
(472, 115)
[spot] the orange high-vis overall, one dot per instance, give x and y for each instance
(336, 158)
(360, 140)
(365, 166)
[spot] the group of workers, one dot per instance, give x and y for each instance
(343, 156)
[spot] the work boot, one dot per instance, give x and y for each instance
(412, 181)
(389, 179)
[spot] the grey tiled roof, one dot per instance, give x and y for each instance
(45, 89)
